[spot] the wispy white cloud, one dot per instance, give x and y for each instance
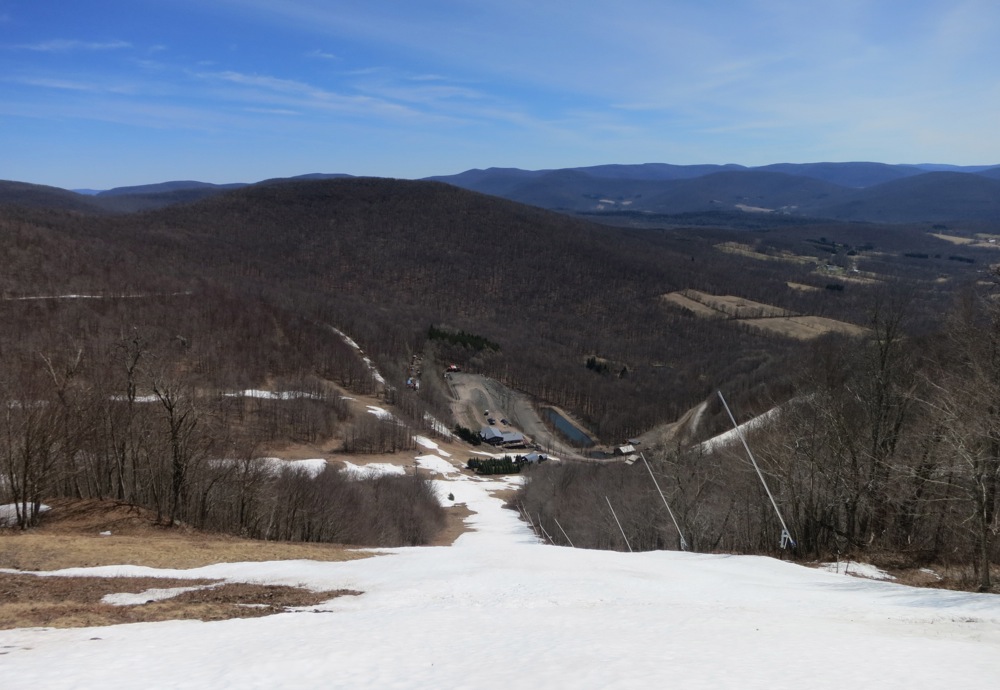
(428, 77)
(272, 111)
(65, 46)
(299, 95)
(64, 84)
(322, 55)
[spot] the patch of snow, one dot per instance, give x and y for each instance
(430, 445)
(371, 470)
(138, 398)
(273, 395)
(733, 436)
(375, 373)
(856, 569)
(380, 412)
(367, 360)
(436, 464)
(8, 513)
(437, 426)
(135, 599)
(312, 467)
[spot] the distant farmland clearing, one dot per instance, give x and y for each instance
(980, 241)
(804, 327)
(765, 317)
(749, 251)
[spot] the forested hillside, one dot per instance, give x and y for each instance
(130, 340)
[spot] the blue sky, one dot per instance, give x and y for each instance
(103, 93)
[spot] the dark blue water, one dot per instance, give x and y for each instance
(567, 429)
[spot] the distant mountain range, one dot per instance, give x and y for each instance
(843, 191)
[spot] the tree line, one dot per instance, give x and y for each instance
(105, 399)
(888, 451)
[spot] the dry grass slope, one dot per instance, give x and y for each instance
(70, 537)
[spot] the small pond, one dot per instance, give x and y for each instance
(567, 429)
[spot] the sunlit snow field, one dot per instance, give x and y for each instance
(498, 609)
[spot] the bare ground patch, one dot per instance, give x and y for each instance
(28, 600)
(70, 536)
(455, 525)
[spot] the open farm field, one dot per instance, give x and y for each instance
(804, 327)
(768, 318)
(682, 300)
(979, 240)
(751, 253)
(735, 307)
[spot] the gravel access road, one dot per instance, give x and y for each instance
(474, 394)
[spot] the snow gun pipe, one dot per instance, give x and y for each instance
(564, 533)
(544, 531)
(786, 536)
(680, 534)
(619, 524)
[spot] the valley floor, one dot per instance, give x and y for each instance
(498, 609)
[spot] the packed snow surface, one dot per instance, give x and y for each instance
(8, 512)
(430, 445)
(380, 412)
(499, 609)
(273, 395)
(311, 467)
(371, 470)
(438, 465)
(856, 569)
(155, 594)
(733, 435)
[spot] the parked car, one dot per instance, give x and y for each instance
(504, 422)
(491, 421)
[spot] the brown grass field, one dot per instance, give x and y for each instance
(70, 536)
(681, 300)
(804, 327)
(765, 317)
(749, 252)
